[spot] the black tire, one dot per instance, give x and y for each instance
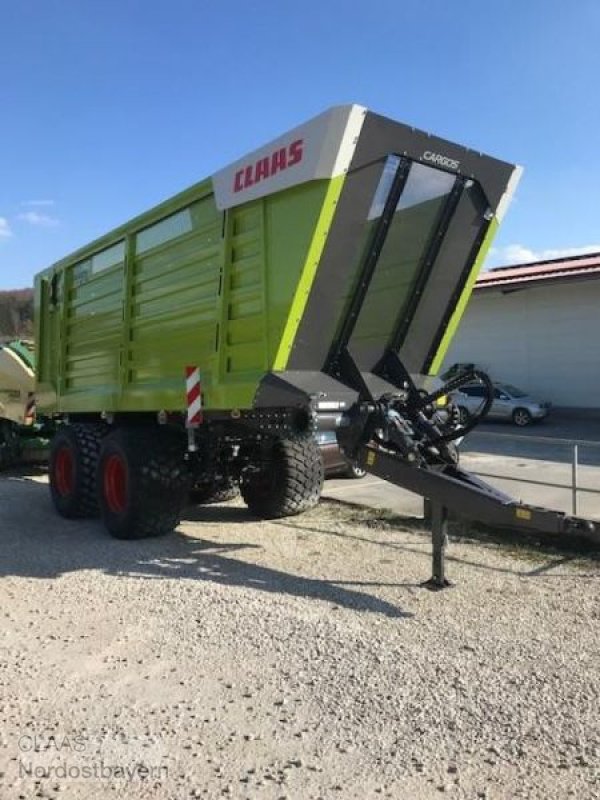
(219, 491)
(463, 415)
(10, 444)
(142, 482)
(289, 479)
(521, 417)
(74, 453)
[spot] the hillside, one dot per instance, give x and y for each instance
(16, 314)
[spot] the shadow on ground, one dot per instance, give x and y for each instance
(36, 543)
(524, 544)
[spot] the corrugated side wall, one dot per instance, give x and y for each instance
(267, 244)
(172, 309)
(117, 327)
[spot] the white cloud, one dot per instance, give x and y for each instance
(40, 220)
(37, 203)
(5, 231)
(519, 254)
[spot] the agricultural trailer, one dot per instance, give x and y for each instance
(315, 283)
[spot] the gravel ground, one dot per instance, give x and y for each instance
(300, 659)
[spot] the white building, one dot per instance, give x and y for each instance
(538, 327)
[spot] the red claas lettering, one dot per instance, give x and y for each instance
(295, 152)
(267, 166)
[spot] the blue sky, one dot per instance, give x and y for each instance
(109, 107)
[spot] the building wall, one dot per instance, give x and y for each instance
(544, 339)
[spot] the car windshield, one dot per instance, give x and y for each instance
(512, 390)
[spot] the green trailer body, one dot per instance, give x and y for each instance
(249, 275)
(315, 282)
(117, 337)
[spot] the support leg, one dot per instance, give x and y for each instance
(439, 541)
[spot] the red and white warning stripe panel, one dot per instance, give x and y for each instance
(194, 397)
(321, 148)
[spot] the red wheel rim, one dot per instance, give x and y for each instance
(64, 474)
(115, 484)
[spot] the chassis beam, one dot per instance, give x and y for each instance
(450, 488)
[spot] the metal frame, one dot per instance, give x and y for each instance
(425, 267)
(439, 540)
(474, 255)
(452, 489)
(339, 363)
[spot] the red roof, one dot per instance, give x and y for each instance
(556, 270)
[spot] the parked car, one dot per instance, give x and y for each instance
(510, 403)
(335, 463)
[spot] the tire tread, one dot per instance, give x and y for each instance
(160, 483)
(298, 480)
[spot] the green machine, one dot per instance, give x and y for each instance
(22, 437)
(315, 282)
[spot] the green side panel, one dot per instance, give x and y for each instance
(92, 329)
(243, 321)
(305, 282)
(118, 323)
(272, 250)
(463, 300)
(171, 317)
(47, 339)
